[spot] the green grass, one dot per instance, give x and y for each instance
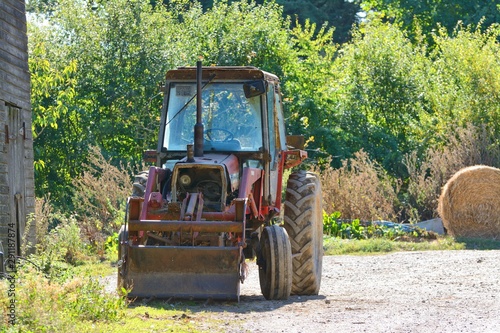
(337, 246)
(156, 317)
(95, 268)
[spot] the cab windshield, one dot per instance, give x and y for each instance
(232, 122)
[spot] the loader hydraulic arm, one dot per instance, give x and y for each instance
(251, 188)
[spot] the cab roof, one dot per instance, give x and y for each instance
(221, 73)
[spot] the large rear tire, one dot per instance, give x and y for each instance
(275, 263)
(139, 185)
(304, 223)
(138, 189)
(122, 258)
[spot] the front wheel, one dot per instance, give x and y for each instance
(304, 223)
(275, 263)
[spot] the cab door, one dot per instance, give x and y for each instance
(277, 140)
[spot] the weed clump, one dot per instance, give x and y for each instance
(56, 291)
(52, 294)
(362, 189)
(100, 198)
(45, 304)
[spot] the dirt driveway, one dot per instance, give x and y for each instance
(435, 291)
(431, 292)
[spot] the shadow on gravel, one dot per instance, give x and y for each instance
(479, 244)
(253, 303)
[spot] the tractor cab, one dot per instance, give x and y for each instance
(232, 122)
(241, 113)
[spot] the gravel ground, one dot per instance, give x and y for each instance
(433, 291)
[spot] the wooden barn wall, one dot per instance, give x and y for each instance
(17, 198)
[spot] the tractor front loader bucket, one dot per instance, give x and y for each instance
(183, 271)
(197, 272)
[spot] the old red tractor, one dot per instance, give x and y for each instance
(212, 201)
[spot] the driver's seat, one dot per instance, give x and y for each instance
(230, 145)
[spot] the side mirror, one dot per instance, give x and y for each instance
(149, 156)
(254, 88)
(295, 141)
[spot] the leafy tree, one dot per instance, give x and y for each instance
(55, 116)
(429, 15)
(378, 84)
(464, 80)
(235, 33)
(308, 87)
(337, 14)
(121, 49)
(116, 55)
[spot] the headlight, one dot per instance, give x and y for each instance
(185, 180)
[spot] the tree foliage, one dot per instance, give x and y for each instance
(96, 69)
(464, 80)
(429, 15)
(308, 84)
(378, 84)
(337, 14)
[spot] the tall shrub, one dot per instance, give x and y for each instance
(379, 98)
(463, 80)
(360, 189)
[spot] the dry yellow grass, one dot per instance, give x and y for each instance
(360, 189)
(469, 204)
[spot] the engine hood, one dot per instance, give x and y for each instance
(228, 161)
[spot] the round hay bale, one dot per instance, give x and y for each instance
(469, 204)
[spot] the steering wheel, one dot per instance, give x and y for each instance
(221, 135)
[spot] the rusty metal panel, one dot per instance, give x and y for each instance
(293, 157)
(186, 226)
(221, 73)
(134, 207)
(183, 271)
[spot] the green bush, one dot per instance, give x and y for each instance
(334, 227)
(92, 303)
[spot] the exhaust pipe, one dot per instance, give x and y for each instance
(198, 127)
(190, 154)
